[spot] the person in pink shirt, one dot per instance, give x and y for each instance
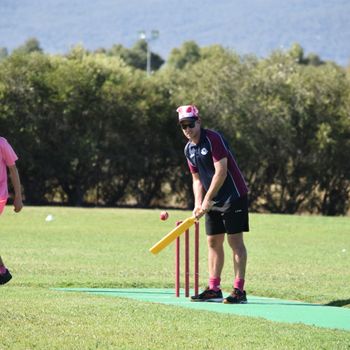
(8, 159)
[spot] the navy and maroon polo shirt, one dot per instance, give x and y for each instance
(211, 148)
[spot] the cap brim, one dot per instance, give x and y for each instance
(190, 119)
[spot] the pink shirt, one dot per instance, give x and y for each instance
(8, 157)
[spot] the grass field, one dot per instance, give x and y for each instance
(303, 258)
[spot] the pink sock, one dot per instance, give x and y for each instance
(2, 269)
(214, 283)
(239, 284)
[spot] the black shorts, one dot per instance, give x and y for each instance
(234, 219)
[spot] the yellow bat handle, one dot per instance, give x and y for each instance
(171, 236)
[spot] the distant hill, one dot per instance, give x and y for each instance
(247, 26)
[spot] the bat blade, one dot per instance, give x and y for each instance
(171, 236)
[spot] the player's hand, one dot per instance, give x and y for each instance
(207, 205)
(18, 204)
(197, 212)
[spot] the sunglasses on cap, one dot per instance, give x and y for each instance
(188, 125)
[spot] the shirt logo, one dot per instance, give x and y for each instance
(192, 155)
(204, 151)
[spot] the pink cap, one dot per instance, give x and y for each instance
(188, 112)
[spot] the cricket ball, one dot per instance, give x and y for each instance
(164, 215)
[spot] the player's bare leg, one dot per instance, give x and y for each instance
(5, 275)
(239, 252)
(216, 255)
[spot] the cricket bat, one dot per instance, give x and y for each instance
(171, 236)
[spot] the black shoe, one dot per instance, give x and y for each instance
(208, 295)
(4, 278)
(236, 297)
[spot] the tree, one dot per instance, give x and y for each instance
(3, 53)
(24, 96)
(91, 129)
(271, 111)
(137, 55)
(188, 53)
(31, 45)
(296, 52)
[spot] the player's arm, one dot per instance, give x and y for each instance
(16, 183)
(198, 192)
(216, 183)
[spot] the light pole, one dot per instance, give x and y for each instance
(143, 36)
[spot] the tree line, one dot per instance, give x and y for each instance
(91, 128)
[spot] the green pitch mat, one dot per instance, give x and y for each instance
(269, 308)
